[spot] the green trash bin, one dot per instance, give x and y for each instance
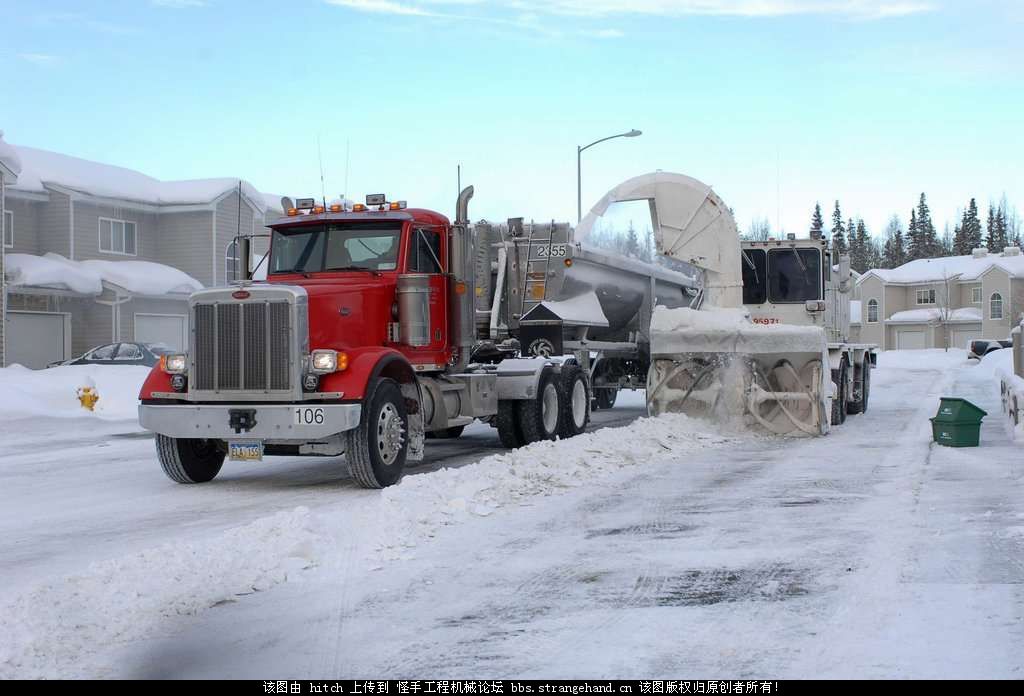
(958, 423)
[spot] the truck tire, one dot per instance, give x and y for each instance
(865, 388)
(575, 401)
(189, 461)
(540, 417)
(507, 421)
(839, 403)
(377, 448)
(446, 433)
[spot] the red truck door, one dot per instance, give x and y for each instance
(426, 256)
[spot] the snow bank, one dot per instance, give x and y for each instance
(716, 330)
(53, 392)
(921, 359)
(416, 509)
(52, 271)
(88, 277)
(935, 314)
(144, 277)
(48, 630)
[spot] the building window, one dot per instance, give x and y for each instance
(117, 237)
(926, 297)
(995, 306)
(8, 228)
(872, 311)
(975, 295)
(232, 263)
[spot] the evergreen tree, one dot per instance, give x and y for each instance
(960, 238)
(894, 251)
(838, 232)
(915, 246)
(862, 248)
(817, 224)
(970, 230)
(926, 230)
(996, 226)
(632, 242)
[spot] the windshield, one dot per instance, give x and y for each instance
(370, 246)
(794, 275)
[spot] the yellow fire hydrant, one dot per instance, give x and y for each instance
(87, 396)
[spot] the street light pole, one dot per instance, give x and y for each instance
(579, 176)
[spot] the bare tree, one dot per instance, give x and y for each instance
(760, 230)
(945, 304)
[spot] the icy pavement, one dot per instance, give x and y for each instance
(631, 552)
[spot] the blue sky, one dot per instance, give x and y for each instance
(777, 103)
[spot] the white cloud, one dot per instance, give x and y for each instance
(39, 58)
(178, 4)
(603, 34)
(382, 7)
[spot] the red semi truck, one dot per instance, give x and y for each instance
(381, 325)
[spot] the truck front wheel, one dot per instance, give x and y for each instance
(189, 461)
(377, 448)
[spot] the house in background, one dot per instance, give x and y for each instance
(99, 254)
(943, 302)
(10, 166)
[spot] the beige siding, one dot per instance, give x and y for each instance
(966, 290)
(183, 241)
(55, 225)
(995, 280)
(87, 232)
(871, 289)
(1016, 302)
(26, 225)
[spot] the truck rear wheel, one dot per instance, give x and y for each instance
(189, 461)
(575, 401)
(377, 448)
(507, 421)
(539, 417)
(861, 406)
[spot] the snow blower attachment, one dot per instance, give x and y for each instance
(718, 365)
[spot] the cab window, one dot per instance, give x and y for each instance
(755, 276)
(425, 251)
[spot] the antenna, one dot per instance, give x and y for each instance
(458, 179)
(345, 194)
(778, 191)
(320, 156)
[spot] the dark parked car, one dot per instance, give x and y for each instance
(982, 347)
(147, 354)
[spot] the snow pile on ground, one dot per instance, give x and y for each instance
(921, 359)
(51, 628)
(419, 506)
(999, 363)
(54, 392)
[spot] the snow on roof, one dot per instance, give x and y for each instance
(855, 315)
(89, 277)
(9, 156)
(953, 267)
(964, 314)
(108, 181)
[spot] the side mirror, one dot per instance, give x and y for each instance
(244, 258)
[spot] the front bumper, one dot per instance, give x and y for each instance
(273, 422)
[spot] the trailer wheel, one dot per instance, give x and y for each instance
(865, 389)
(189, 461)
(507, 421)
(604, 397)
(575, 401)
(446, 433)
(377, 447)
(539, 417)
(839, 403)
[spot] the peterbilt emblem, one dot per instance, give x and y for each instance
(241, 294)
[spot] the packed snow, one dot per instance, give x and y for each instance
(88, 277)
(963, 314)
(41, 167)
(658, 546)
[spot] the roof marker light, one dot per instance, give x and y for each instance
(335, 207)
(317, 209)
(292, 212)
(358, 208)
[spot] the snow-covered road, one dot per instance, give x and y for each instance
(632, 552)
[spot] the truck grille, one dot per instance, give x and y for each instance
(242, 346)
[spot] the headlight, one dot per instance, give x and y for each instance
(323, 362)
(174, 364)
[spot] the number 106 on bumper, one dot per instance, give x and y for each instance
(309, 416)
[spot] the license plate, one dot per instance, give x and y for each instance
(245, 451)
(307, 415)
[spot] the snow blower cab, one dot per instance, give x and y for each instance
(754, 351)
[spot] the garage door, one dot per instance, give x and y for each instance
(161, 328)
(907, 339)
(36, 339)
(961, 338)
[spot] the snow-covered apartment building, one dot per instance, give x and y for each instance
(95, 254)
(943, 302)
